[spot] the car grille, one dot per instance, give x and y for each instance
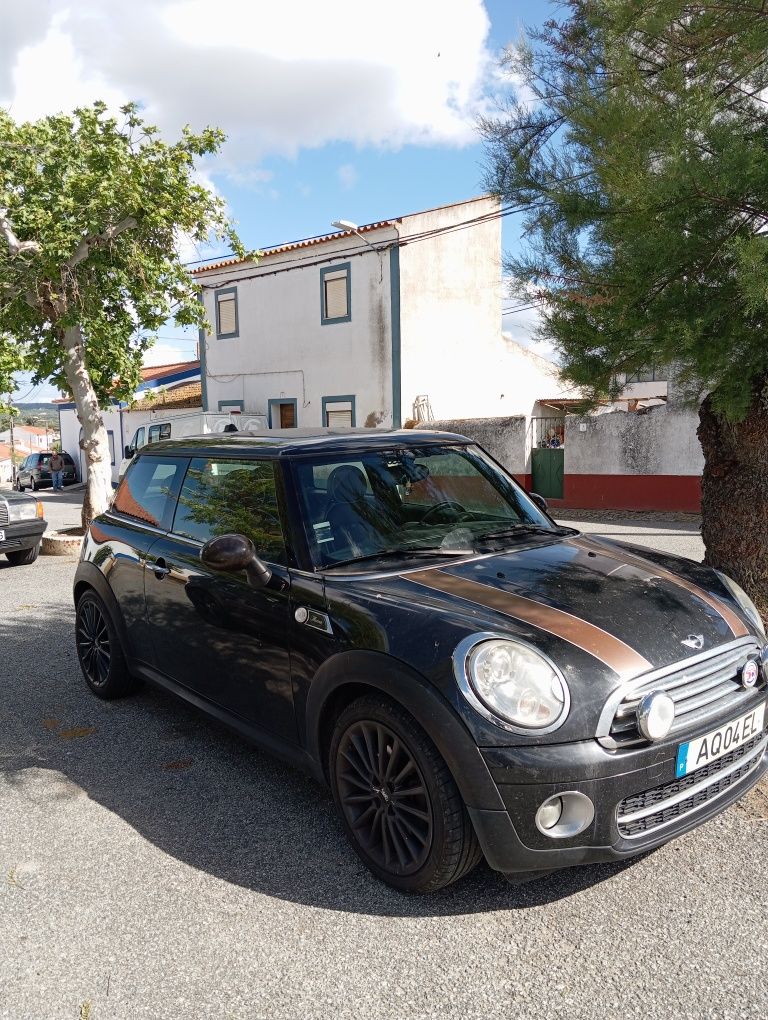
(3, 512)
(701, 689)
(643, 813)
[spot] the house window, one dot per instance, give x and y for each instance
(227, 321)
(232, 406)
(335, 294)
(111, 439)
(283, 413)
(339, 412)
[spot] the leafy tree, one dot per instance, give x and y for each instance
(639, 151)
(91, 210)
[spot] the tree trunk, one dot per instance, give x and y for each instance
(95, 443)
(734, 504)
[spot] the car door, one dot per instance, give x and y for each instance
(142, 509)
(213, 632)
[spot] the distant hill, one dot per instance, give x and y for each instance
(47, 413)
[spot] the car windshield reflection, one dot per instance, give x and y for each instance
(411, 502)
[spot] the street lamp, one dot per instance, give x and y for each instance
(348, 225)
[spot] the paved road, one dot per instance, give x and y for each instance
(153, 865)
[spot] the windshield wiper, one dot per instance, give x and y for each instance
(414, 550)
(524, 529)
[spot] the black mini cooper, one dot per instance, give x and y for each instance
(392, 612)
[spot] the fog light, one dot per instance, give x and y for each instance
(565, 815)
(549, 813)
(655, 715)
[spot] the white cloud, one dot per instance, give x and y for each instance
(276, 78)
(347, 175)
(167, 352)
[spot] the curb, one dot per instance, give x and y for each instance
(61, 543)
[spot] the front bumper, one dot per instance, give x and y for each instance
(527, 776)
(22, 535)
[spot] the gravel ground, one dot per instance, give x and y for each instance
(153, 865)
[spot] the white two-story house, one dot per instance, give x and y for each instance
(391, 321)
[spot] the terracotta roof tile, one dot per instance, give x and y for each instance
(153, 372)
(309, 242)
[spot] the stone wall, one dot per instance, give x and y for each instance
(503, 438)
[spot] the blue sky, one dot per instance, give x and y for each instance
(362, 123)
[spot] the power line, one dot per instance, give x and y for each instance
(357, 251)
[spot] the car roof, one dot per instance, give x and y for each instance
(302, 441)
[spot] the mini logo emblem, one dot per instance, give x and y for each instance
(694, 641)
(749, 673)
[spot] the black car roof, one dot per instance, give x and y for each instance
(295, 442)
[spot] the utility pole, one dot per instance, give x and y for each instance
(13, 448)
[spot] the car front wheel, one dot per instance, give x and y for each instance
(22, 557)
(397, 799)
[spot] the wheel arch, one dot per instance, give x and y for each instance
(88, 577)
(350, 675)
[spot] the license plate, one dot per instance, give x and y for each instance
(701, 751)
(2, 535)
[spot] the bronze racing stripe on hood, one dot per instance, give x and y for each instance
(738, 628)
(612, 651)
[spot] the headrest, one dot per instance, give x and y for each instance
(347, 484)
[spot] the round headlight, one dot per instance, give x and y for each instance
(517, 684)
(746, 604)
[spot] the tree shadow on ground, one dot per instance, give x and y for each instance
(201, 794)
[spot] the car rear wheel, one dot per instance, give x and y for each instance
(397, 799)
(22, 557)
(99, 650)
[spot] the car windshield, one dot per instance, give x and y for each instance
(411, 501)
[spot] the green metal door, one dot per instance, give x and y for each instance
(547, 472)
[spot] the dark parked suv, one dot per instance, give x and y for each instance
(35, 472)
(392, 612)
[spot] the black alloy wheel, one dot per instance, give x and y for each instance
(93, 646)
(398, 802)
(99, 650)
(384, 797)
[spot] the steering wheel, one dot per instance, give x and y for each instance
(447, 504)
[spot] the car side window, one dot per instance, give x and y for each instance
(138, 439)
(148, 488)
(221, 497)
(158, 432)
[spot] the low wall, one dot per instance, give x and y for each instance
(622, 461)
(503, 438)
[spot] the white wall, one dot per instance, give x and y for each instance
(450, 319)
(70, 438)
(662, 441)
(283, 350)
(453, 347)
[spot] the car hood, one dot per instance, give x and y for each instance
(618, 606)
(16, 497)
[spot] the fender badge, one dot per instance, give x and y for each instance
(749, 674)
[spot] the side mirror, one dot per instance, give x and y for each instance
(128, 452)
(540, 502)
(236, 552)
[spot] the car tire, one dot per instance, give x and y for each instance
(22, 557)
(101, 656)
(398, 802)
(19, 486)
